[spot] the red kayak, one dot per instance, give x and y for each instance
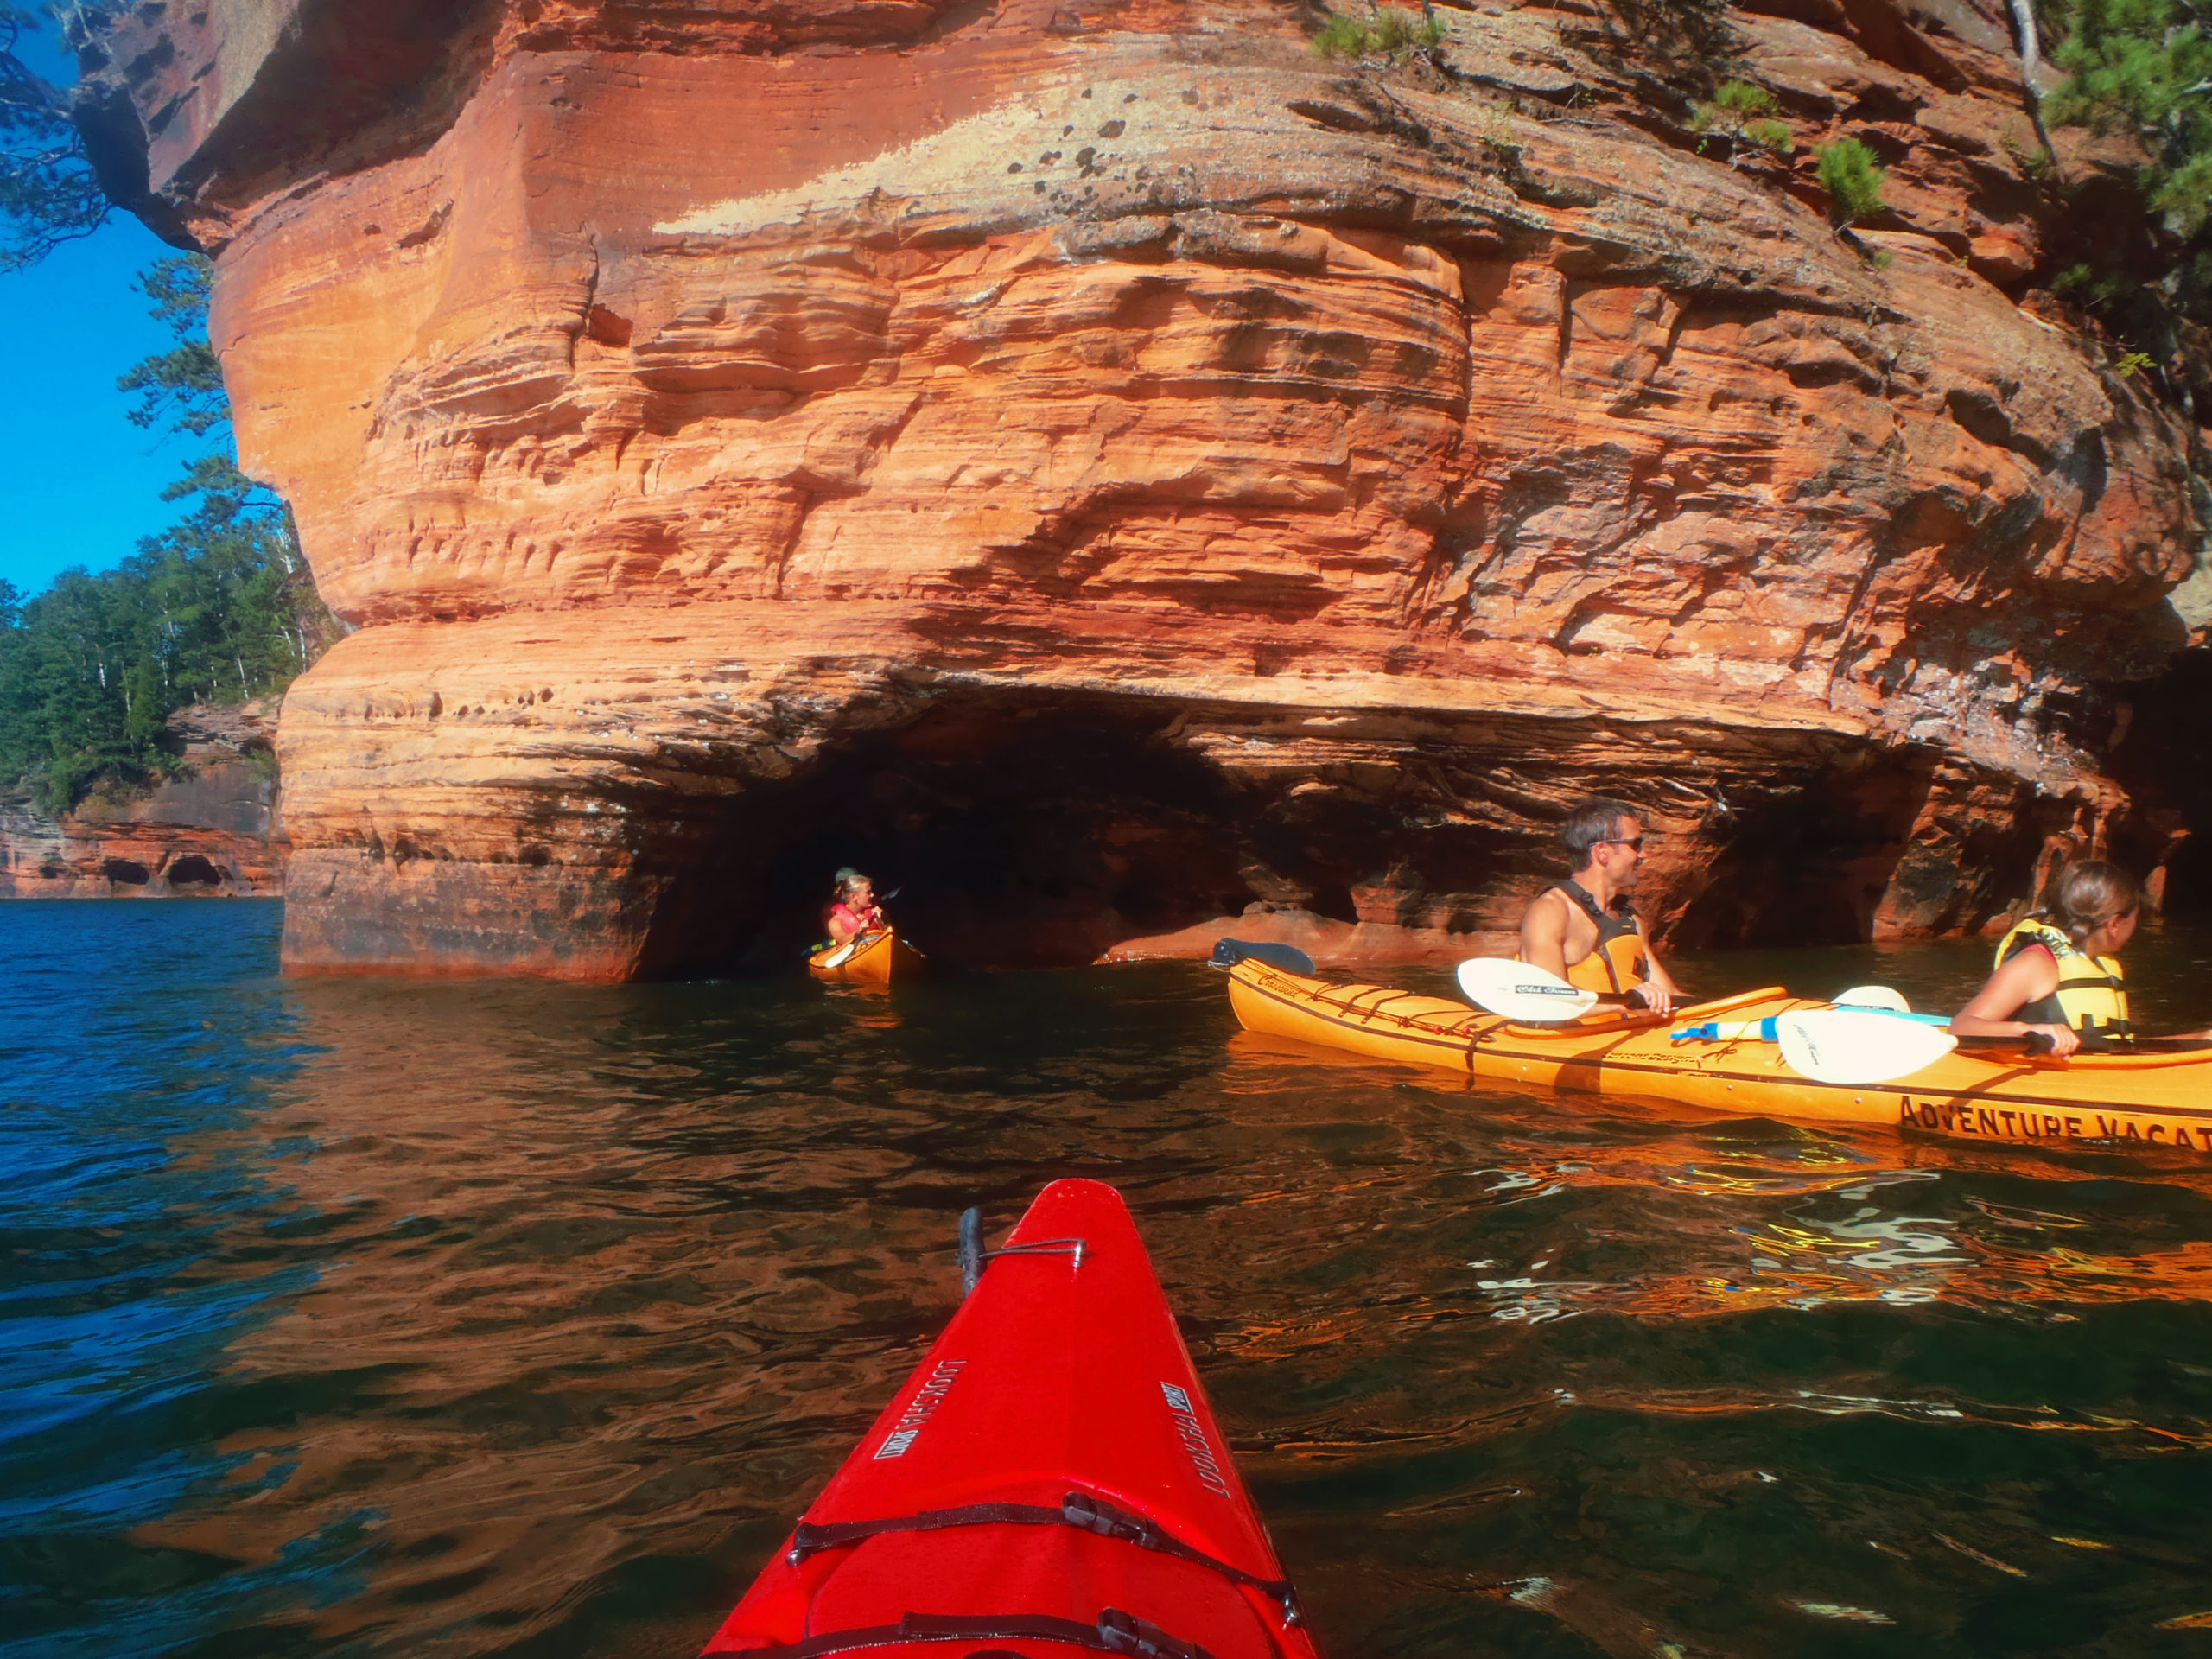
(1049, 1476)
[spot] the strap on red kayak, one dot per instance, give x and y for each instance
(1116, 1632)
(1081, 1509)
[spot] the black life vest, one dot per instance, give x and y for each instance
(1617, 962)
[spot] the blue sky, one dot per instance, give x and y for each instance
(87, 482)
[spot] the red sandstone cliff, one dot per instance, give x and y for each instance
(1110, 469)
(213, 830)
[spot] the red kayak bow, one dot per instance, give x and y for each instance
(1048, 1482)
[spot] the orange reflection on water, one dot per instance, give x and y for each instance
(1873, 1246)
(548, 1331)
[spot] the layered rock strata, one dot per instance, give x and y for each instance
(212, 830)
(1109, 469)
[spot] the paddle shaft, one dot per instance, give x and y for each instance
(2032, 1042)
(2037, 1043)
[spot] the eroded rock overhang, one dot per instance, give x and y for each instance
(1116, 470)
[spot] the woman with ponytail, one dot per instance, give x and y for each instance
(2059, 972)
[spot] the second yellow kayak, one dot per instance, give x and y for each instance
(2161, 1100)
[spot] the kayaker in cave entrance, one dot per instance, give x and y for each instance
(2058, 971)
(855, 912)
(1584, 930)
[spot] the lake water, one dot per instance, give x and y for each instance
(379, 1318)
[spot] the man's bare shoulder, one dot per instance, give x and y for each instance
(1549, 904)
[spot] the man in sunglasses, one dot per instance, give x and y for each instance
(1585, 930)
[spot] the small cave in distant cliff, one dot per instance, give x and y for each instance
(125, 872)
(193, 871)
(1028, 830)
(2161, 761)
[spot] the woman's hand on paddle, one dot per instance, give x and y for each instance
(1658, 997)
(2064, 1039)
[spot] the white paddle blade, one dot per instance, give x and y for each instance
(1855, 1046)
(1520, 992)
(1872, 996)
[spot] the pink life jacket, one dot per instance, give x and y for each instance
(841, 908)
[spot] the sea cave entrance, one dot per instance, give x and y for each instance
(1015, 834)
(1025, 829)
(2161, 761)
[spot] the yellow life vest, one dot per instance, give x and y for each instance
(1617, 962)
(2091, 995)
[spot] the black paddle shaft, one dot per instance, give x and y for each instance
(2031, 1042)
(2036, 1042)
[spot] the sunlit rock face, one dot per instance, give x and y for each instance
(1106, 469)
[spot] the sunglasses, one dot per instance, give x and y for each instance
(1635, 842)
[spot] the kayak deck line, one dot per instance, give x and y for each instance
(1115, 1631)
(1068, 1247)
(1078, 1508)
(1050, 1474)
(2162, 1099)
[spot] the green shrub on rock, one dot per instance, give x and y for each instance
(1854, 179)
(1738, 110)
(1341, 37)
(1772, 135)
(1741, 98)
(1393, 34)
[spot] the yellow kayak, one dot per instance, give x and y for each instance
(2151, 1099)
(872, 959)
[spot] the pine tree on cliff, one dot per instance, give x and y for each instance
(2145, 67)
(47, 193)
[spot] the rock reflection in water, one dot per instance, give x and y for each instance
(583, 1299)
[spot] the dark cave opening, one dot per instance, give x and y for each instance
(1010, 828)
(1809, 866)
(2161, 761)
(1817, 864)
(1013, 834)
(193, 871)
(1022, 829)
